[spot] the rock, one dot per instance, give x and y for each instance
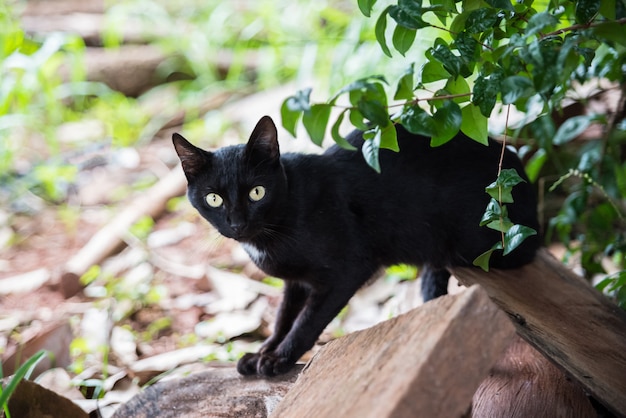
(218, 392)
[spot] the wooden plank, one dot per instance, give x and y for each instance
(566, 319)
(426, 363)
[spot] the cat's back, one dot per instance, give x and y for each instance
(434, 193)
(458, 154)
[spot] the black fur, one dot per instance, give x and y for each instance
(328, 222)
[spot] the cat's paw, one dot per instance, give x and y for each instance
(263, 364)
(247, 365)
(272, 365)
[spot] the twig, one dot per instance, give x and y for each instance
(572, 28)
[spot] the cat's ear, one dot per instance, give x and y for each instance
(263, 143)
(193, 159)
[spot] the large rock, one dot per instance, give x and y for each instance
(218, 392)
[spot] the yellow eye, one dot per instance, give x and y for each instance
(257, 193)
(214, 200)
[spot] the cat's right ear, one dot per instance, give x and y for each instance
(194, 160)
(263, 142)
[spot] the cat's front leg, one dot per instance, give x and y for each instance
(294, 297)
(320, 308)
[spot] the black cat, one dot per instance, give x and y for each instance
(327, 223)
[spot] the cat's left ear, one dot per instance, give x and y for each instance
(193, 159)
(263, 143)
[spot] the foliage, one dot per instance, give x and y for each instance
(23, 372)
(494, 55)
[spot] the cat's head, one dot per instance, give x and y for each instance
(238, 189)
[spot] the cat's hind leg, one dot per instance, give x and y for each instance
(434, 282)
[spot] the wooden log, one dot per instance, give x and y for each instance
(567, 320)
(523, 384)
(426, 363)
(32, 400)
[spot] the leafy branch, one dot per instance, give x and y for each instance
(499, 53)
(496, 214)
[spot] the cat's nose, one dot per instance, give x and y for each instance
(237, 227)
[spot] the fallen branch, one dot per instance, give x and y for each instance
(110, 238)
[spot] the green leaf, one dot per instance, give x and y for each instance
(458, 86)
(603, 284)
(375, 91)
(289, 118)
(340, 140)
(539, 22)
(362, 84)
(475, 124)
(501, 188)
(534, 165)
(451, 63)
(358, 120)
(485, 92)
(365, 6)
(444, 9)
(608, 9)
(408, 13)
(514, 237)
(355, 96)
(299, 102)
(482, 260)
(389, 138)
(371, 148)
(501, 4)
(468, 47)
(612, 31)
(480, 20)
(501, 225)
(586, 10)
(516, 87)
(22, 372)
(374, 111)
(403, 39)
(404, 91)
(380, 29)
(417, 121)
(571, 128)
(494, 213)
(433, 71)
(496, 217)
(447, 123)
(315, 122)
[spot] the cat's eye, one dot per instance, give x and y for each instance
(257, 193)
(214, 200)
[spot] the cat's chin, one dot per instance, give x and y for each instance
(242, 237)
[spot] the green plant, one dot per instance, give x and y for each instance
(23, 372)
(490, 56)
